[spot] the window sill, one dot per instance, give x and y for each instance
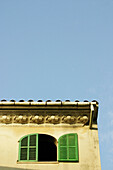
(25, 162)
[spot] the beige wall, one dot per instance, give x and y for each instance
(89, 157)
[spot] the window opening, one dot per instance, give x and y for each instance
(47, 149)
(38, 147)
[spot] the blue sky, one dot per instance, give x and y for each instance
(60, 50)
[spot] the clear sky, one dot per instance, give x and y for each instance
(60, 49)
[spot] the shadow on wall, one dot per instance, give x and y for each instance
(11, 168)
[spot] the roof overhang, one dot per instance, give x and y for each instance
(71, 112)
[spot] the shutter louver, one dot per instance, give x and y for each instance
(24, 141)
(23, 155)
(32, 153)
(32, 140)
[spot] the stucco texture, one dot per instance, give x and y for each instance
(88, 146)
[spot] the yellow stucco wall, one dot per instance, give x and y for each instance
(89, 157)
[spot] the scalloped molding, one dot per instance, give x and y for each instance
(40, 119)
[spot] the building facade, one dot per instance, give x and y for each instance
(49, 135)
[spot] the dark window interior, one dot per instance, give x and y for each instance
(47, 149)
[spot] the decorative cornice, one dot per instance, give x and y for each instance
(20, 119)
(39, 112)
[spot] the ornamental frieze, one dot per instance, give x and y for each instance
(40, 119)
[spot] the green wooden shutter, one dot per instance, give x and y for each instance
(28, 148)
(68, 147)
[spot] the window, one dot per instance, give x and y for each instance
(37, 147)
(42, 147)
(68, 147)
